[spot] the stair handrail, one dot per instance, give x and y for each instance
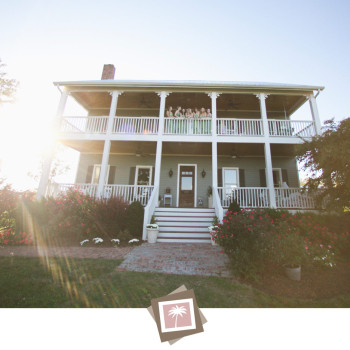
(219, 211)
(149, 210)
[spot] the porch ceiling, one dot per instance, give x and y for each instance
(101, 100)
(181, 148)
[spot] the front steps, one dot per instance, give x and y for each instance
(186, 225)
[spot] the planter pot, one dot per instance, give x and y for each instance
(210, 201)
(152, 234)
(292, 271)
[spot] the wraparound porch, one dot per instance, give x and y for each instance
(246, 197)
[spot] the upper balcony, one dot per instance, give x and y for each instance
(236, 111)
(88, 127)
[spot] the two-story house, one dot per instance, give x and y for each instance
(131, 145)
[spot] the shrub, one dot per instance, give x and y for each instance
(111, 216)
(124, 236)
(234, 207)
(134, 219)
(246, 238)
(11, 237)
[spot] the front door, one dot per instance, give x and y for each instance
(186, 186)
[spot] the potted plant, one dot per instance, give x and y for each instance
(152, 230)
(291, 252)
(210, 197)
(213, 228)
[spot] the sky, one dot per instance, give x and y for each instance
(301, 42)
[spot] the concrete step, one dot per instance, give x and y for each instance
(183, 240)
(183, 229)
(184, 235)
(184, 223)
(187, 210)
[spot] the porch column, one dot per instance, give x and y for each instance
(213, 96)
(267, 150)
(45, 175)
(163, 95)
(314, 113)
(214, 144)
(107, 144)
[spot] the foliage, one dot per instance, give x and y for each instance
(257, 238)
(111, 216)
(209, 191)
(245, 238)
(10, 237)
(326, 158)
(216, 221)
(153, 220)
(234, 207)
(124, 236)
(8, 87)
(134, 219)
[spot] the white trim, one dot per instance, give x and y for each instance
(142, 167)
(178, 183)
(229, 168)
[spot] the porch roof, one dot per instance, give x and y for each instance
(284, 99)
(183, 85)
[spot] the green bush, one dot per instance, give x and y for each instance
(111, 217)
(246, 237)
(134, 219)
(234, 207)
(124, 236)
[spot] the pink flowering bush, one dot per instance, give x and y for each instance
(11, 237)
(256, 238)
(73, 217)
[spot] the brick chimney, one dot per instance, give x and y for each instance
(108, 72)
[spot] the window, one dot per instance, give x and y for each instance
(96, 174)
(230, 179)
(277, 177)
(143, 175)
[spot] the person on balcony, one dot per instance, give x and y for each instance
(178, 122)
(208, 122)
(208, 113)
(170, 123)
(203, 113)
(196, 122)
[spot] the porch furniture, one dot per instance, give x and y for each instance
(167, 196)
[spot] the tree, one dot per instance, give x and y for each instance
(326, 159)
(8, 87)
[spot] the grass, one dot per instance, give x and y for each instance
(59, 282)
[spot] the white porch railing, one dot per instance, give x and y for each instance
(219, 211)
(129, 193)
(187, 126)
(149, 210)
(291, 128)
(239, 127)
(246, 197)
(77, 125)
(293, 198)
(136, 125)
(54, 189)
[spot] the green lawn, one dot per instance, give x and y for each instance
(56, 282)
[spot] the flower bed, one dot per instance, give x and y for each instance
(256, 238)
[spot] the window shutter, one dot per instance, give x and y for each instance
(132, 175)
(220, 177)
(285, 176)
(241, 178)
(152, 182)
(262, 178)
(88, 179)
(111, 176)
